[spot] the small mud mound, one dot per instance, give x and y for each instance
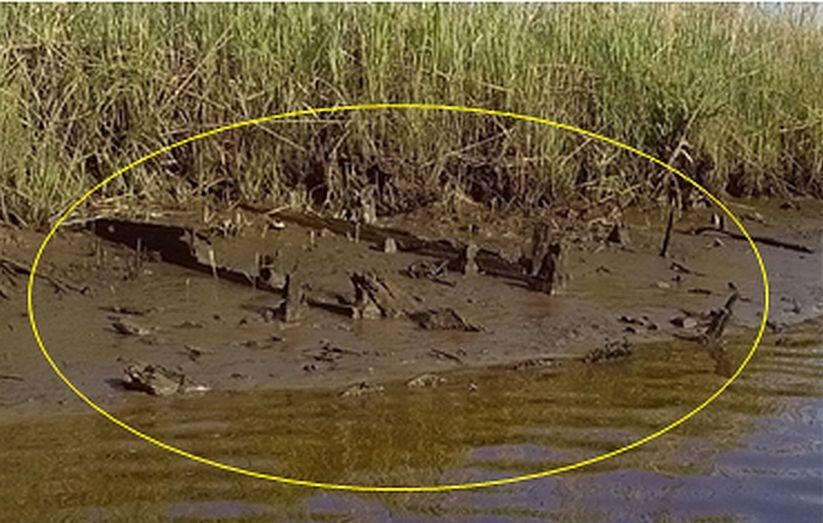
(444, 319)
(157, 380)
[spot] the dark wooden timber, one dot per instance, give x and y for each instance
(178, 245)
(542, 262)
(765, 240)
(664, 248)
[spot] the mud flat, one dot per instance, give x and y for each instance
(131, 309)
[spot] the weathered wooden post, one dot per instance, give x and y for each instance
(468, 259)
(543, 263)
(292, 307)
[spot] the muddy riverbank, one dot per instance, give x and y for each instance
(107, 307)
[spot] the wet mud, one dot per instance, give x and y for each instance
(293, 301)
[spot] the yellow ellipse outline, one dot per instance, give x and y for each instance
(420, 488)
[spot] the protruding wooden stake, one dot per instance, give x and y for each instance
(721, 319)
(543, 262)
(293, 305)
(389, 246)
(468, 262)
(664, 249)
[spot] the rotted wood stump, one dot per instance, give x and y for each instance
(374, 297)
(543, 261)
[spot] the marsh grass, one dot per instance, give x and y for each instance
(733, 94)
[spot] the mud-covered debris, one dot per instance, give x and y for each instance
(127, 311)
(682, 269)
(389, 246)
(256, 343)
(361, 389)
(444, 318)
(700, 290)
(643, 321)
(755, 217)
(794, 308)
(429, 270)
(443, 354)
(375, 297)
(612, 350)
(11, 377)
(128, 328)
(270, 313)
(158, 380)
(188, 324)
(425, 381)
(684, 322)
(194, 353)
(330, 353)
(336, 307)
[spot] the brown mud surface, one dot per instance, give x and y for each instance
(228, 336)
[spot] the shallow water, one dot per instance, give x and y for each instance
(756, 454)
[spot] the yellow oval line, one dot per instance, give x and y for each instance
(409, 488)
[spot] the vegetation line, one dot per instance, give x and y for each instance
(732, 92)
